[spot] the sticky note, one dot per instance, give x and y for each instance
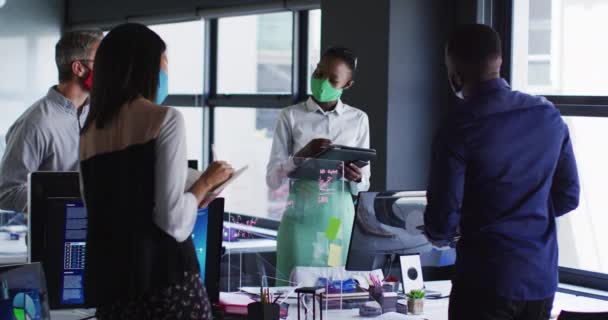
(332, 228)
(335, 255)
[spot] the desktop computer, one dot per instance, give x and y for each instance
(389, 224)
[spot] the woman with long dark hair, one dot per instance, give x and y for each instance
(141, 262)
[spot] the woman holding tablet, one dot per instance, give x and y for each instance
(303, 131)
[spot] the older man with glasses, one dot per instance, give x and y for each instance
(45, 137)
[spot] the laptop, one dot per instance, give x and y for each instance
(23, 292)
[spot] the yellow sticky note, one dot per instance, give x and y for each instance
(335, 255)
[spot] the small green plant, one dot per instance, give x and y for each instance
(416, 294)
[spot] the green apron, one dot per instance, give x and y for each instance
(304, 239)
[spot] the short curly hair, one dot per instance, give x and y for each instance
(74, 46)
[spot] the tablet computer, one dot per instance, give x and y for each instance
(310, 168)
(347, 154)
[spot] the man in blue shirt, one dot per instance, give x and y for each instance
(502, 171)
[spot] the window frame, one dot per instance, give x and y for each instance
(210, 98)
(499, 15)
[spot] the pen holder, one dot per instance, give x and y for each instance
(375, 293)
(263, 311)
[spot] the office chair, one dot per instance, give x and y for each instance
(569, 315)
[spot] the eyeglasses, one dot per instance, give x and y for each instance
(85, 61)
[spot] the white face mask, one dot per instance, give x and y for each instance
(456, 89)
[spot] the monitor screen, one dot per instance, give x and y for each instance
(74, 244)
(199, 237)
(58, 229)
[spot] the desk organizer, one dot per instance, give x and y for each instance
(387, 300)
(263, 311)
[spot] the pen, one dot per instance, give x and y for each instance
(276, 299)
(213, 153)
(262, 294)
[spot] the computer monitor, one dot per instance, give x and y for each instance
(23, 293)
(58, 222)
(387, 224)
(207, 238)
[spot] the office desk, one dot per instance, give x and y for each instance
(13, 251)
(73, 314)
(433, 309)
(438, 309)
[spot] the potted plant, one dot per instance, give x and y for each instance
(415, 301)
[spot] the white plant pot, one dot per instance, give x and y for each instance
(415, 306)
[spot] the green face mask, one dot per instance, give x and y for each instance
(323, 91)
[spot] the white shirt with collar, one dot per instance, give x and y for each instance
(299, 124)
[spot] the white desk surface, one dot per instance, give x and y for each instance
(73, 314)
(433, 309)
(13, 251)
(438, 309)
(251, 246)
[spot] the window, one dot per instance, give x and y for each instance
(185, 53)
(29, 71)
(33, 72)
(194, 132)
(314, 41)
(582, 236)
(557, 47)
(243, 136)
(254, 81)
(255, 54)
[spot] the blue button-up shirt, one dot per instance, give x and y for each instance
(502, 170)
(44, 138)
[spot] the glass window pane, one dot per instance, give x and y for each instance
(29, 70)
(255, 54)
(314, 41)
(194, 132)
(185, 53)
(566, 36)
(583, 240)
(539, 42)
(248, 145)
(539, 73)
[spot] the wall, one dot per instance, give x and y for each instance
(418, 89)
(29, 30)
(401, 82)
(364, 28)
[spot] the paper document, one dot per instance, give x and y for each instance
(216, 192)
